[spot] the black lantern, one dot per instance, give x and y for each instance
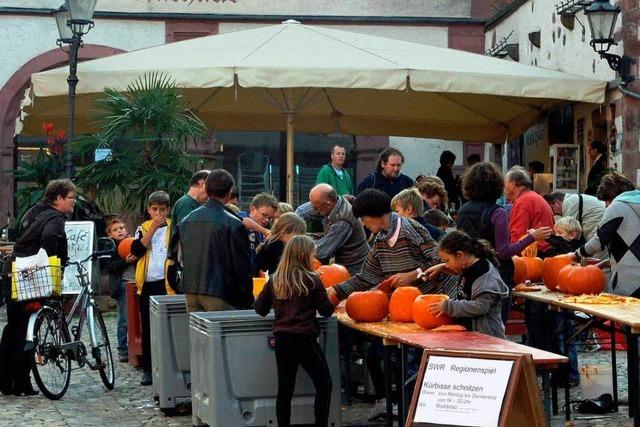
(602, 17)
(74, 19)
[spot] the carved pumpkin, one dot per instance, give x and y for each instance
(578, 280)
(421, 314)
(370, 306)
(315, 263)
(124, 248)
(333, 274)
(527, 268)
(551, 270)
(401, 303)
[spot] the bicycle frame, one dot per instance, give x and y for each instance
(82, 303)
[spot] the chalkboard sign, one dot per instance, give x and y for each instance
(482, 389)
(81, 242)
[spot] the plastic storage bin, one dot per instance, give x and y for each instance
(233, 367)
(170, 349)
(134, 325)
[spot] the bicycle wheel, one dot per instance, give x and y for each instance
(51, 365)
(102, 353)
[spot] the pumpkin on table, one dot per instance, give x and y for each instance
(369, 306)
(423, 317)
(527, 268)
(551, 270)
(576, 279)
(333, 274)
(401, 304)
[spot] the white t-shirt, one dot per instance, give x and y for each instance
(157, 255)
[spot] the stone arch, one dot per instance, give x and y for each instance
(10, 96)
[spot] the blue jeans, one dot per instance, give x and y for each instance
(560, 318)
(122, 320)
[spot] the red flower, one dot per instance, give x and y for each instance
(61, 136)
(48, 128)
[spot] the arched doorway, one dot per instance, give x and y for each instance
(10, 96)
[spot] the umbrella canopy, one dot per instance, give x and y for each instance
(321, 80)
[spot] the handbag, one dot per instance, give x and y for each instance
(36, 276)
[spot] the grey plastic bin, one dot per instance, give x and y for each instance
(170, 349)
(234, 375)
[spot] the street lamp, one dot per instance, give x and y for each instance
(74, 19)
(602, 17)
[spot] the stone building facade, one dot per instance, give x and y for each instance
(537, 34)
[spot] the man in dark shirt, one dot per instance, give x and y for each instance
(196, 196)
(387, 176)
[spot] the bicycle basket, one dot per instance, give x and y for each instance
(37, 282)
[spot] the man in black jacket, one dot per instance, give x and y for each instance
(212, 244)
(598, 154)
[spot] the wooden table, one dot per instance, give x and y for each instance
(624, 314)
(410, 334)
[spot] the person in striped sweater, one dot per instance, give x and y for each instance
(402, 251)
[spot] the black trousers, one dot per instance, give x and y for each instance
(293, 350)
(15, 363)
(149, 289)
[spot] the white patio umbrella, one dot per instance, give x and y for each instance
(316, 79)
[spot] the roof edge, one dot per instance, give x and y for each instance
(503, 13)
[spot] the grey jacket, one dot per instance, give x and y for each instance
(343, 237)
(484, 307)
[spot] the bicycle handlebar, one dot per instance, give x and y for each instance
(93, 256)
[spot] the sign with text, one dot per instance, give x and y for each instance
(463, 391)
(475, 388)
(80, 244)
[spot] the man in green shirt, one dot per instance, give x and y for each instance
(196, 195)
(335, 174)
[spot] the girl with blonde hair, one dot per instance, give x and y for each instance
(269, 252)
(296, 293)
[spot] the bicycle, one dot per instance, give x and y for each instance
(54, 346)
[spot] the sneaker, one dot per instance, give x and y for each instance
(379, 409)
(146, 379)
(123, 358)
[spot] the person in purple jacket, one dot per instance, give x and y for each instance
(295, 292)
(481, 218)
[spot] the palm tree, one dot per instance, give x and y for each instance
(145, 130)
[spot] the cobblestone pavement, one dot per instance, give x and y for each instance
(88, 403)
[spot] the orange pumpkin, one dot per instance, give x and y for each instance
(551, 270)
(333, 274)
(421, 314)
(315, 263)
(577, 280)
(124, 248)
(370, 306)
(401, 303)
(527, 268)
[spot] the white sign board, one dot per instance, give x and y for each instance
(80, 244)
(462, 391)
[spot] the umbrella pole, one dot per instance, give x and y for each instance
(290, 170)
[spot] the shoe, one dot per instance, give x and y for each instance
(146, 379)
(379, 409)
(123, 358)
(30, 391)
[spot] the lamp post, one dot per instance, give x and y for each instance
(602, 17)
(74, 19)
